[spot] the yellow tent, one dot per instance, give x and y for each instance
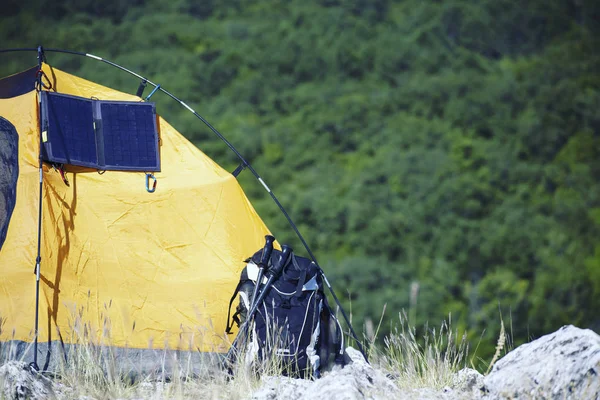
(120, 265)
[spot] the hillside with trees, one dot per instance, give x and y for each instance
(439, 157)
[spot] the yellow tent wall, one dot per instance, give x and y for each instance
(137, 269)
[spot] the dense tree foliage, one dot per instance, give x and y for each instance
(448, 147)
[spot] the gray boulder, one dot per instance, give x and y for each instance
(562, 365)
(467, 384)
(357, 380)
(18, 381)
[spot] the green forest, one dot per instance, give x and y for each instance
(439, 157)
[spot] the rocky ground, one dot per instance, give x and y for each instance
(561, 365)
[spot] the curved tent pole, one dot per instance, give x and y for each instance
(243, 165)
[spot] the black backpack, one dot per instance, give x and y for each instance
(294, 323)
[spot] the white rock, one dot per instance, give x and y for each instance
(18, 381)
(281, 388)
(356, 380)
(561, 365)
(468, 380)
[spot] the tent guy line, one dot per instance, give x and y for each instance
(243, 162)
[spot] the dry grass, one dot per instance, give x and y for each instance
(429, 361)
(499, 347)
(92, 369)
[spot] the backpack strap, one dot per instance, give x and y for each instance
(338, 339)
(301, 280)
(235, 318)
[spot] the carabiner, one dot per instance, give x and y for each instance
(148, 176)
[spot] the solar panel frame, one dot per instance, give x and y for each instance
(101, 134)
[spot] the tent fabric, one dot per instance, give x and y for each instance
(121, 265)
(18, 84)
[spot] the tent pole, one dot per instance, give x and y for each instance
(38, 260)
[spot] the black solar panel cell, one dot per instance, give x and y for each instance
(121, 147)
(70, 131)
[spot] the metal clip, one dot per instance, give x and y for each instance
(148, 176)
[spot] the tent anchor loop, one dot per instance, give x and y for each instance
(148, 188)
(152, 92)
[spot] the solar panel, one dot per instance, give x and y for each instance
(107, 135)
